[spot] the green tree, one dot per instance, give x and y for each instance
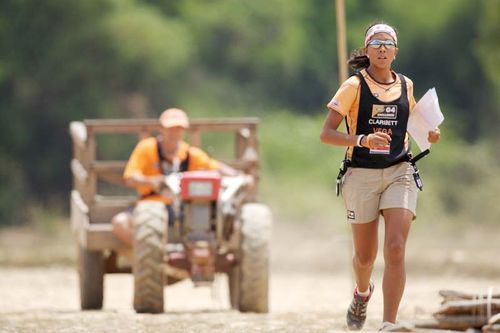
(487, 49)
(60, 63)
(132, 58)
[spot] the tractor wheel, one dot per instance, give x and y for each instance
(149, 226)
(91, 272)
(249, 280)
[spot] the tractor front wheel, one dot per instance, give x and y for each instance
(249, 280)
(149, 226)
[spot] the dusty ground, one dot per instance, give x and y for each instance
(310, 289)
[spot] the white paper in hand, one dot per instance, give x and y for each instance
(425, 117)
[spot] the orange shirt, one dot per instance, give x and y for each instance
(346, 100)
(145, 160)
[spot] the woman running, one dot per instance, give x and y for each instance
(379, 180)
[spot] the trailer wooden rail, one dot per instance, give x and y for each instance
(91, 212)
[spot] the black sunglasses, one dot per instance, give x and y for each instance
(377, 43)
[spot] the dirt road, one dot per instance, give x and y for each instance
(310, 290)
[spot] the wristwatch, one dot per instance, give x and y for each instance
(359, 139)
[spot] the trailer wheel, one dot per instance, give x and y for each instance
(91, 273)
(149, 226)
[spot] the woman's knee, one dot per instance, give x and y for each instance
(364, 260)
(394, 253)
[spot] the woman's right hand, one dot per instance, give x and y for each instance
(434, 135)
(376, 140)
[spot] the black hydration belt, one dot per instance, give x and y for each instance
(416, 174)
(346, 164)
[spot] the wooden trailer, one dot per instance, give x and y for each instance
(92, 210)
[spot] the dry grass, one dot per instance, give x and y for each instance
(321, 244)
(40, 244)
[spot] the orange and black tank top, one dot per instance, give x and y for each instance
(377, 116)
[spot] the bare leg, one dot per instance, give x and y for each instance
(397, 227)
(365, 240)
(123, 227)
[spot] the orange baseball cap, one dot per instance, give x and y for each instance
(174, 117)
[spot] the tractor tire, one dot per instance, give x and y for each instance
(149, 226)
(91, 272)
(249, 280)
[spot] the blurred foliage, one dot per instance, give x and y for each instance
(63, 61)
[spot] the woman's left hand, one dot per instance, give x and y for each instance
(434, 135)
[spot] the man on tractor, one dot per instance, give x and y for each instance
(156, 157)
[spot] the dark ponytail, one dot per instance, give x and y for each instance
(358, 59)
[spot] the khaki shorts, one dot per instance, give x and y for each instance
(367, 192)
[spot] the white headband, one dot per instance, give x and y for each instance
(377, 28)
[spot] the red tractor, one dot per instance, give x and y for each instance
(218, 226)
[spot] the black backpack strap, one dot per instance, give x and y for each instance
(161, 154)
(185, 163)
(159, 145)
